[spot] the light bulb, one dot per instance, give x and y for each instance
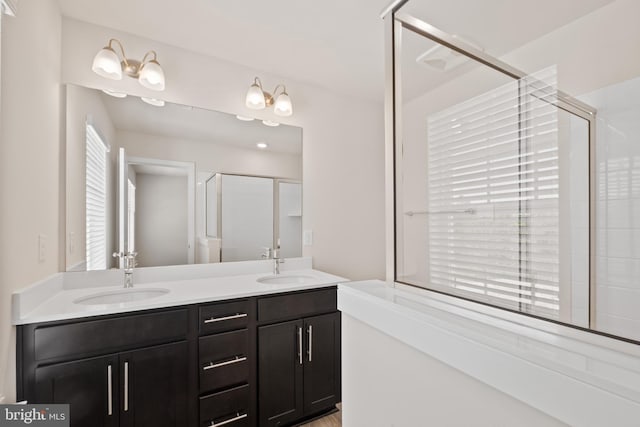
(283, 106)
(255, 98)
(107, 64)
(152, 76)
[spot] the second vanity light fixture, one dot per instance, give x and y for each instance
(257, 99)
(108, 64)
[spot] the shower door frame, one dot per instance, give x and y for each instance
(395, 22)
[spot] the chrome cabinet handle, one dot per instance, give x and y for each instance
(310, 332)
(238, 417)
(300, 344)
(126, 386)
(222, 319)
(109, 390)
(236, 359)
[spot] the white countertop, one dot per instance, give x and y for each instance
(595, 380)
(53, 299)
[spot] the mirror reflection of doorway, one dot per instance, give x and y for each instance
(157, 211)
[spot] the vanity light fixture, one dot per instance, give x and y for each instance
(262, 145)
(244, 118)
(153, 101)
(257, 99)
(108, 64)
(270, 123)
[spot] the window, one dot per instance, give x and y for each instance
(493, 189)
(96, 200)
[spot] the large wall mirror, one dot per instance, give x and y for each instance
(176, 184)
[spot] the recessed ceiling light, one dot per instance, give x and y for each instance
(262, 145)
(270, 123)
(114, 93)
(244, 118)
(153, 101)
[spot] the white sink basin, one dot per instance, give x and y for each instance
(287, 279)
(121, 296)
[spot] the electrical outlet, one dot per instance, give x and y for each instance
(42, 248)
(307, 238)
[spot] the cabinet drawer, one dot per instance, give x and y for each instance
(229, 408)
(224, 360)
(105, 335)
(297, 305)
(225, 316)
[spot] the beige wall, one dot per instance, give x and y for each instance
(342, 163)
(29, 161)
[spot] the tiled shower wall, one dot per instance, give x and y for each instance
(618, 208)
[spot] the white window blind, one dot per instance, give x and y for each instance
(96, 200)
(493, 188)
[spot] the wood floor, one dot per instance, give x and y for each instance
(332, 420)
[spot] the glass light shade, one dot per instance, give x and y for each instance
(107, 64)
(151, 76)
(114, 93)
(283, 106)
(255, 98)
(270, 123)
(153, 101)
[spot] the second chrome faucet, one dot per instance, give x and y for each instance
(274, 253)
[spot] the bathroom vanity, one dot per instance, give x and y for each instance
(268, 355)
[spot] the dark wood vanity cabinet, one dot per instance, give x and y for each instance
(261, 361)
(97, 368)
(299, 358)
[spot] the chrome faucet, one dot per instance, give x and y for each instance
(274, 254)
(129, 259)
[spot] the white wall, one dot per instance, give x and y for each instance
(343, 147)
(403, 387)
(211, 157)
(618, 208)
(30, 162)
(161, 220)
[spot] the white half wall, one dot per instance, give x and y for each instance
(407, 388)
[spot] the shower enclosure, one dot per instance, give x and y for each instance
(508, 190)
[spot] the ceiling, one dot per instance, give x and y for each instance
(195, 124)
(335, 44)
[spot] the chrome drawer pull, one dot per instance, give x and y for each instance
(126, 386)
(238, 417)
(236, 359)
(300, 344)
(222, 319)
(310, 351)
(109, 391)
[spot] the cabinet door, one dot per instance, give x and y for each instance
(89, 386)
(280, 362)
(154, 386)
(322, 362)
